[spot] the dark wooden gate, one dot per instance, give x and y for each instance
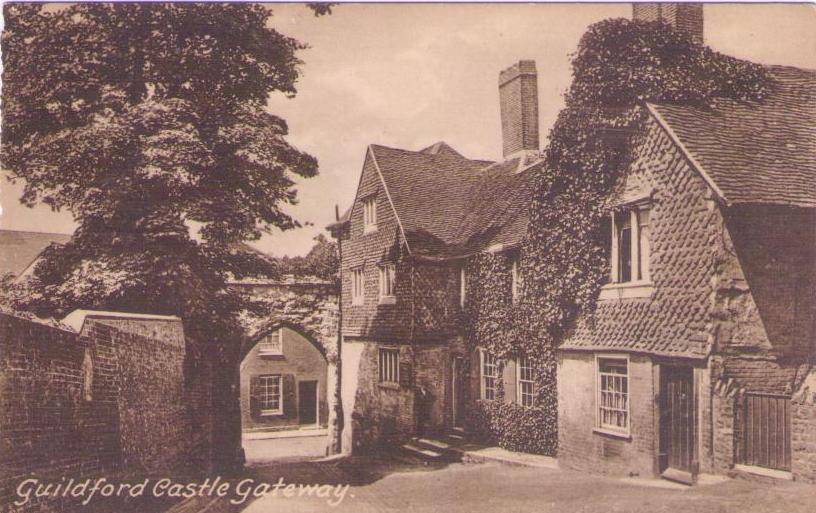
(677, 419)
(764, 431)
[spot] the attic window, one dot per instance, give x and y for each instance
(369, 214)
(630, 245)
(272, 343)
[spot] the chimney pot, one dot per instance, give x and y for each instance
(685, 17)
(518, 99)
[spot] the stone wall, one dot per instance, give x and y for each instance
(106, 402)
(375, 413)
(803, 430)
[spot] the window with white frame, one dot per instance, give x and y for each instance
(490, 375)
(269, 394)
(272, 343)
(370, 214)
(613, 394)
(525, 381)
(389, 365)
(630, 245)
(357, 286)
(515, 278)
(462, 285)
(387, 274)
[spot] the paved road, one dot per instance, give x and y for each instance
(384, 486)
(493, 487)
(269, 450)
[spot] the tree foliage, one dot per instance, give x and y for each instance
(322, 261)
(142, 119)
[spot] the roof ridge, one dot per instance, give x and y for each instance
(33, 231)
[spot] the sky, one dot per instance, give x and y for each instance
(409, 75)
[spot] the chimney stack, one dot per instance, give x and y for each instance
(518, 99)
(683, 17)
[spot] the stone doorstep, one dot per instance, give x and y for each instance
(421, 452)
(505, 457)
(764, 472)
(294, 433)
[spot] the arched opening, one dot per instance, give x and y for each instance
(284, 395)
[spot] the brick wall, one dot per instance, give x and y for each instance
(580, 447)
(518, 100)
(133, 419)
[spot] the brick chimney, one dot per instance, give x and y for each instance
(684, 17)
(518, 98)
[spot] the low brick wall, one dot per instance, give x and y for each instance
(108, 402)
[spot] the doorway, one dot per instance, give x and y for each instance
(677, 424)
(458, 383)
(307, 402)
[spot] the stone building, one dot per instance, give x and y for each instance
(417, 217)
(699, 356)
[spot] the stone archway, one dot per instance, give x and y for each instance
(310, 310)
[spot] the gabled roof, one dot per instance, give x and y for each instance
(756, 152)
(449, 205)
(19, 249)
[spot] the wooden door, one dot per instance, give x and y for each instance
(458, 384)
(307, 402)
(677, 420)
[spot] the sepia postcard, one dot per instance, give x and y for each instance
(374, 257)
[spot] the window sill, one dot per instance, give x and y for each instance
(357, 303)
(614, 434)
(388, 300)
(271, 413)
(270, 353)
(389, 385)
(370, 229)
(632, 289)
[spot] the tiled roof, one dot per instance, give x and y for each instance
(19, 249)
(450, 205)
(755, 152)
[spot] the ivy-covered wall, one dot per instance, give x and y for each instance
(492, 320)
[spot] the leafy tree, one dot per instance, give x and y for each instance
(322, 261)
(142, 119)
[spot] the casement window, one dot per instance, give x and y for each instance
(490, 375)
(515, 278)
(370, 214)
(630, 245)
(389, 365)
(387, 275)
(462, 285)
(357, 281)
(525, 381)
(613, 394)
(272, 344)
(269, 395)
